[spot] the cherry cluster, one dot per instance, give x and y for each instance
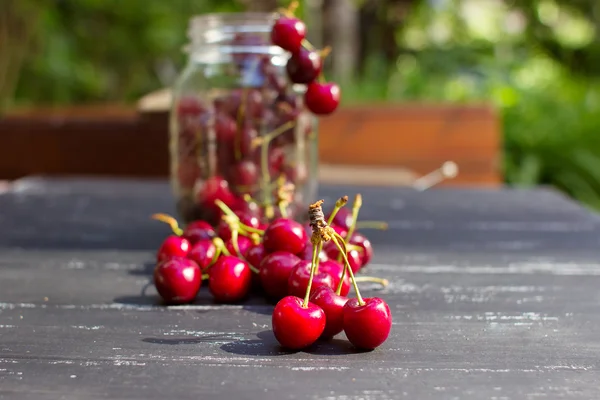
(284, 261)
(256, 126)
(305, 63)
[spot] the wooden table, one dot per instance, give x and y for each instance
(495, 295)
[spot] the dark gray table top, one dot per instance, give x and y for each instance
(494, 296)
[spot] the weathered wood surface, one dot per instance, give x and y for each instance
(494, 296)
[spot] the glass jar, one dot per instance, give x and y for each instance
(238, 130)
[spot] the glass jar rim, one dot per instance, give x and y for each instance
(208, 31)
(209, 28)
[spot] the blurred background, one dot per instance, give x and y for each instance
(536, 61)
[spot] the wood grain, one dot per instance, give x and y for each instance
(117, 141)
(493, 295)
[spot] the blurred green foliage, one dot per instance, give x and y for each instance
(538, 61)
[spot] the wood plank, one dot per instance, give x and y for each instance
(514, 315)
(119, 142)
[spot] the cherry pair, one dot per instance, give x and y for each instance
(305, 63)
(324, 313)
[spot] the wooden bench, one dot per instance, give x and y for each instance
(393, 143)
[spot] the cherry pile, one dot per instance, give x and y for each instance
(306, 269)
(259, 122)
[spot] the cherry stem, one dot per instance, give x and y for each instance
(236, 247)
(290, 10)
(313, 265)
(341, 248)
(233, 217)
(260, 141)
(308, 45)
(264, 142)
(220, 246)
(341, 202)
(372, 225)
(338, 290)
(318, 260)
(355, 209)
(240, 119)
(266, 178)
(382, 281)
(172, 222)
(205, 276)
(324, 52)
(283, 209)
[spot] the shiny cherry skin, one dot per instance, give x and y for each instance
(330, 248)
(367, 326)
(177, 280)
(307, 254)
(173, 246)
(248, 219)
(343, 218)
(304, 66)
(300, 275)
(244, 244)
(288, 33)
(294, 326)
(215, 188)
(358, 239)
(333, 307)
(189, 106)
(255, 254)
(275, 270)
(355, 257)
(335, 270)
(285, 235)
(198, 230)
(230, 279)
(322, 98)
(225, 128)
(203, 253)
(244, 174)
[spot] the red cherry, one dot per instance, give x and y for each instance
(304, 66)
(189, 106)
(248, 134)
(255, 254)
(355, 257)
(224, 230)
(296, 327)
(230, 279)
(335, 270)
(285, 235)
(300, 275)
(173, 246)
(276, 160)
(288, 33)
(225, 128)
(244, 174)
(244, 244)
(188, 171)
(322, 98)
(367, 326)
(333, 307)
(275, 270)
(330, 248)
(203, 253)
(358, 239)
(177, 280)
(343, 218)
(307, 253)
(215, 188)
(198, 230)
